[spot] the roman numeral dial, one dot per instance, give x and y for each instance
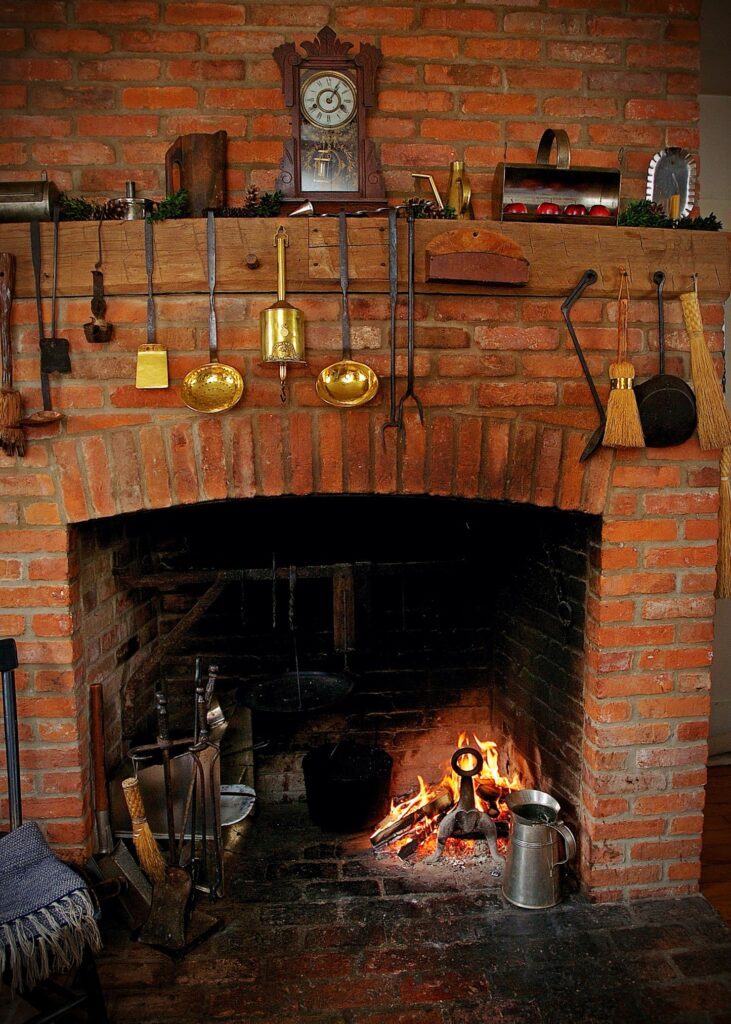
(328, 100)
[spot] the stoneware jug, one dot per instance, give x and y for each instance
(532, 876)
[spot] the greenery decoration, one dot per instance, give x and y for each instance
(641, 213)
(256, 204)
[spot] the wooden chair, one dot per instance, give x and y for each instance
(47, 918)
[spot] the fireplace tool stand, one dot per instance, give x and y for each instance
(465, 819)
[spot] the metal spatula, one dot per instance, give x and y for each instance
(55, 351)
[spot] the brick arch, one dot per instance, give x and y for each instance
(184, 461)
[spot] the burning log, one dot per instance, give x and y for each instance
(389, 828)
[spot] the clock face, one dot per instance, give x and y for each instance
(328, 100)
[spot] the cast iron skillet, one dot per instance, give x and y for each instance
(666, 403)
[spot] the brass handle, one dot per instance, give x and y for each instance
(281, 240)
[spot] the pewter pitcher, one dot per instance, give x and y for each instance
(532, 876)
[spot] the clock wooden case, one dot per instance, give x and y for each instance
(328, 90)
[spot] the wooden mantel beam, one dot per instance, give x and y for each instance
(558, 255)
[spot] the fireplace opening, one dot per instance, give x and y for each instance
(453, 621)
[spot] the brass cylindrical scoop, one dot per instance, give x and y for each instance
(346, 383)
(281, 326)
(213, 387)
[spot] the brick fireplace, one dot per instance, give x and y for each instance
(508, 415)
(97, 94)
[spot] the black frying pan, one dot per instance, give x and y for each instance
(666, 403)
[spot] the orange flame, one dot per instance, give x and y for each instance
(450, 781)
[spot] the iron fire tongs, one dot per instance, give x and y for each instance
(409, 392)
(587, 278)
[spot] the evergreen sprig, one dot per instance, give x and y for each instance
(642, 213)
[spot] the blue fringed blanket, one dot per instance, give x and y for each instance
(46, 912)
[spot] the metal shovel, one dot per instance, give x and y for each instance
(55, 351)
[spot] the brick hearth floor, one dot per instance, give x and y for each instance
(319, 931)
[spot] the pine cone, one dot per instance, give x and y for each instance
(251, 201)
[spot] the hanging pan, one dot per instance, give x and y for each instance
(213, 387)
(296, 692)
(346, 383)
(666, 403)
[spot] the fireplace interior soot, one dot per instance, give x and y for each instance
(407, 628)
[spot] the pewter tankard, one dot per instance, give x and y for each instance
(532, 878)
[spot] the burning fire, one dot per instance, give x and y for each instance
(489, 778)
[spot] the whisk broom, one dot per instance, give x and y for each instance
(12, 438)
(623, 428)
(151, 859)
(714, 430)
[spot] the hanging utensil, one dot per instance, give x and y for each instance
(587, 278)
(55, 351)
(409, 392)
(281, 326)
(97, 330)
(346, 383)
(215, 386)
(392, 420)
(47, 414)
(666, 403)
(12, 438)
(152, 359)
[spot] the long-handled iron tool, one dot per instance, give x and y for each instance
(47, 414)
(163, 742)
(392, 420)
(409, 392)
(587, 278)
(113, 860)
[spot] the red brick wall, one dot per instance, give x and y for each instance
(96, 92)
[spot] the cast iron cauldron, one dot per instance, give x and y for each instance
(347, 785)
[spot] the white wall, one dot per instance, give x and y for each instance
(715, 173)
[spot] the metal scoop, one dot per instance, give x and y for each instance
(346, 383)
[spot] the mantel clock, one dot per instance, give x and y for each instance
(328, 159)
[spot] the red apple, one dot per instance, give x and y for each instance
(575, 210)
(549, 210)
(599, 211)
(515, 208)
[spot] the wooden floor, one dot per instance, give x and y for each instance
(716, 856)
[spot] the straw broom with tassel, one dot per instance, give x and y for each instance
(12, 438)
(151, 859)
(714, 430)
(623, 428)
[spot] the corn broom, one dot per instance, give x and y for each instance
(151, 859)
(12, 438)
(714, 430)
(623, 428)
(723, 567)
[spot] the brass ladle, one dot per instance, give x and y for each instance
(346, 383)
(215, 386)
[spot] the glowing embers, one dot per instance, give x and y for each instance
(467, 804)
